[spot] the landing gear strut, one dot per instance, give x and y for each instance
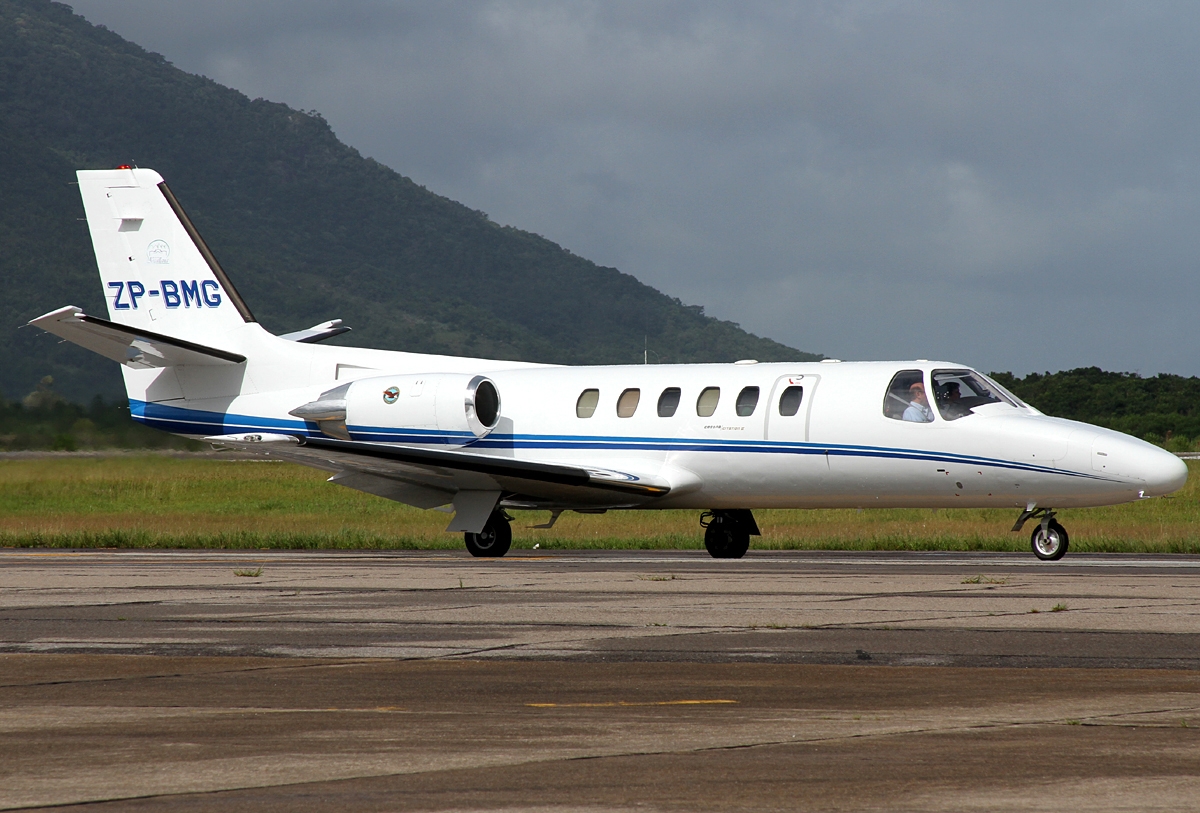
(1049, 539)
(727, 533)
(495, 538)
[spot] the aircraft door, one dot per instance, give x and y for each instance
(789, 407)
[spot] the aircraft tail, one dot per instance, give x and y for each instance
(170, 304)
(158, 274)
(175, 322)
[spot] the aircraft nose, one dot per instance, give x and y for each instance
(1164, 473)
(1130, 458)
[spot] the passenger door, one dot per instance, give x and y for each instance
(782, 422)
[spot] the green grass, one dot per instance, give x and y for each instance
(161, 502)
(984, 580)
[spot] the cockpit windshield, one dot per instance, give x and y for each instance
(958, 392)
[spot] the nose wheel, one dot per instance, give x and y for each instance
(495, 538)
(1049, 541)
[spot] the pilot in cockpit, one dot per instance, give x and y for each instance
(949, 396)
(918, 407)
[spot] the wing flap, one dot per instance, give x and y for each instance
(500, 467)
(451, 471)
(391, 488)
(136, 348)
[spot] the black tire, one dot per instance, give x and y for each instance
(493, 541)
(741, 545)
(1050, 545)
(725, 538)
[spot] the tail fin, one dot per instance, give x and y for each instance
(158, 274)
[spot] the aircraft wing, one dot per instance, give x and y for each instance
(140, 349)
(429, 478)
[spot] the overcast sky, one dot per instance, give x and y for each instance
(1015, 186)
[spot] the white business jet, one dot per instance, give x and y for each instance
(484, 437)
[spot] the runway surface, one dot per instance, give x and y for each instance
(606, 680)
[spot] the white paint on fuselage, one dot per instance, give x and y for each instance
(839, 450)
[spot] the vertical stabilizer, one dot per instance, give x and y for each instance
(157, 273)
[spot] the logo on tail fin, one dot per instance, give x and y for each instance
(158, 252)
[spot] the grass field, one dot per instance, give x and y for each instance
(161, 502)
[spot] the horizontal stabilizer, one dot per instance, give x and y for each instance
(317, 333)
(140, 349)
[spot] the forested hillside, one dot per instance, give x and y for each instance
(307, 227)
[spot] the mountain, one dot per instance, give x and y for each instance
(307, 227)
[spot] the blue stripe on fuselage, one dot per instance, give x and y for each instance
(201, 422)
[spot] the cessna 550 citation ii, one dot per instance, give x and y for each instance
(484, 437)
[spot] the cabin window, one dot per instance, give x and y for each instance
(668, 402)
(747, 400)
(958, 392)
(627, 403)
(585, 407)
(906, 399)
(789, 401)
(706, 404)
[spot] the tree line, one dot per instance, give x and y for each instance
(45, 421)
(1163, 409)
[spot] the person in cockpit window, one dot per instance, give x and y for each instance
(918, 405)
(950, 401)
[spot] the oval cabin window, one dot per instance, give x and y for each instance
(706, 404)
(585, 407)
(747, 400)
(627, 403)
(668, 402)
(789, 401)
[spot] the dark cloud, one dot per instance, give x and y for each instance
(1011, 185)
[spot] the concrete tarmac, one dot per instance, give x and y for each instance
(598, 681)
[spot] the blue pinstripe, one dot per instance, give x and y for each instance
(200, 422)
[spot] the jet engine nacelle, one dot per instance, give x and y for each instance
(386, 408)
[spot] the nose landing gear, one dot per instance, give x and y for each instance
(727, 533)
(495, 538)
(1049, 539)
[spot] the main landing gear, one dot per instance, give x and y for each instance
(1049, 539)
(495, 538)
(727, 532)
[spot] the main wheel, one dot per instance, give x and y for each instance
(494, 540)
(725, 538)
(1050, 544)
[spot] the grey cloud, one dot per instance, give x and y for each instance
(1010, 185)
